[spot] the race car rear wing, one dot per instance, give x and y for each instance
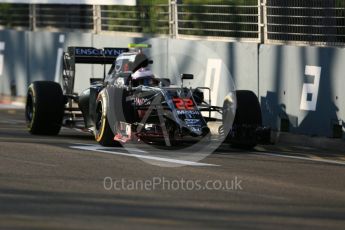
(85, 55)
(90, 55)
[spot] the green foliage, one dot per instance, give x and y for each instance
(221, 2)
(219, 18)
(152, 2)
(152, 16)
(149, 16)
(12, 15)
(5, 15)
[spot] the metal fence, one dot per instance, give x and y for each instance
(62, 17)
(319, 22)
(310, 21)
(146, 18)
(15, 16)
(238, 21)
(56, 17)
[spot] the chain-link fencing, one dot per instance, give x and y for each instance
(309, 22)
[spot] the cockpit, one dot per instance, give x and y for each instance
(134, 66)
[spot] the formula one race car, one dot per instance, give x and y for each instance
(131, 104)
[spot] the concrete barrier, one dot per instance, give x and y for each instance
(302, 85)
(300, 88)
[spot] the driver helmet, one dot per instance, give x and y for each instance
(140, 67)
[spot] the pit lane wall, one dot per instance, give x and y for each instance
(300, 88)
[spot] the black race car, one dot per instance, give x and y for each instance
(130, 104)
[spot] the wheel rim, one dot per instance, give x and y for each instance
(29, 108)
(99, 117)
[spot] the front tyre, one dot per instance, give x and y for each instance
(44, 108)
(103, 132)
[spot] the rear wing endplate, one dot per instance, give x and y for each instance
(85, 55)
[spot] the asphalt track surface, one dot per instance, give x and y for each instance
(47, 184)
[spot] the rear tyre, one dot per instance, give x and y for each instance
(44, 108)
(103, 133)
(247, 119)
(248, 110)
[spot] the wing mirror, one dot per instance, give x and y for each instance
(186, 76)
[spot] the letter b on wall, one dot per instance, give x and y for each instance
(311, 88)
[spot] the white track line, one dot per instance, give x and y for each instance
(114, 148)
(301, 158)
(11, 106)
(12, 122)
(97, 148)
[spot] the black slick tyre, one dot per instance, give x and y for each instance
(248, 110)
(44, 108)
(247, 119)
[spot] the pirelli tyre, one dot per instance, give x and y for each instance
(103, 132)
(247, 119)
(44, 108)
